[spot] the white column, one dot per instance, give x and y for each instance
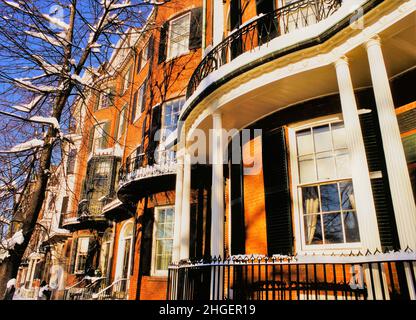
(363, 194)
(178, 211)
(218, 19)
(217, 200)
(217, 206)
(399, 180)
(186, 208)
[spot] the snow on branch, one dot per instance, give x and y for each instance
(25, 146)
(49, 120)
(25, 84)
(28, 106)
(45, 38)
(56, 21)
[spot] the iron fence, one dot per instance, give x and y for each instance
(261, 31)
(353, 277)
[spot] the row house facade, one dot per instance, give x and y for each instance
(247, 149)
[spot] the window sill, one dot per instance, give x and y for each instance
(343, 248)
(169, 59)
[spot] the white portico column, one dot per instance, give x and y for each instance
(399, 180)
(217, 200)
(363, 193)
(186, 208)
(218, 19)
(217, 206)
(178, 211)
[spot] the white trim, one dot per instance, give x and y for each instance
(153, 271)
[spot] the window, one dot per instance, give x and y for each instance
(82, 254)
(127, 81)
(107, 98)
(124, 253)
(324, 186)
(106, 252)
(171, 112)
(64, 210)
(138, 107)
(70, 162)
(163, 239)
(100, 136)
(179, 36)
(144, 57)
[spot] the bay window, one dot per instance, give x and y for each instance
(324, 186)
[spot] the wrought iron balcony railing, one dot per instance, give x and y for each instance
(136, 170)
(261, 31)
(354, 277)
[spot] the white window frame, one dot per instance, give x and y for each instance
(76, 270)
(154, 272)
(170, 54)
(301, 246)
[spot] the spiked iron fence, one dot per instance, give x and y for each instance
(381, 276)
(84, 289)
(296, 15)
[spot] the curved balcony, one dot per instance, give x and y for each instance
(87, 217)
(137, 179)
(261, 31)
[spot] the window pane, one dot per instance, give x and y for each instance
(352, 233)
(310, 200)
(304, 142)
(322, 138)
(333, 228)
(313, 234)
(347, 195)
(326, 167)
(338, 136)
(330, 197)
(343, 165)
(83, 245)
(307, 170)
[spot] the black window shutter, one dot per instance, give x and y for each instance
(133, 108)
(73, 255)
(237, 203)
(277, 193)
(139, 62)
(380, 186)
(155, 126)
(147, 237)
(195, 34)
(143, 134)
(105, 139)
(117, 124)
(97, 101)
(163, 41)
(144, 96)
